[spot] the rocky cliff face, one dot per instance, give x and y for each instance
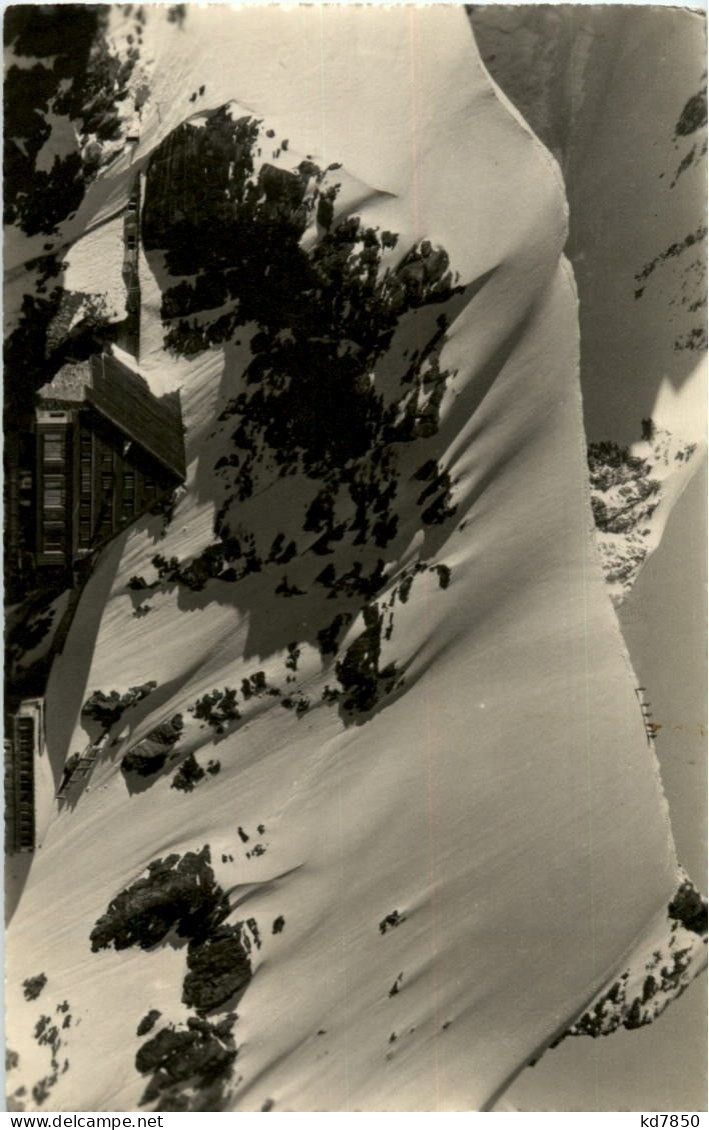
(632, 493)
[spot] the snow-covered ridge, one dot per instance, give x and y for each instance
(394, 798)
(661, 968)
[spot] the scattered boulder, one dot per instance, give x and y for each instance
(148, 1022)
(689, 908)
(107, 709)
(178, 892)
(33, 986)
(150, 755)
(188, 775)
(198, 1057)
(391, 921)
(218, 968)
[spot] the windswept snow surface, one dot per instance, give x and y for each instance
(502, 798)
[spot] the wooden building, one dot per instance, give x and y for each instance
(23, 740)
(99, 450)
(105, 450)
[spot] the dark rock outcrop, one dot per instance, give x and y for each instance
(178, 893)
(219, 967)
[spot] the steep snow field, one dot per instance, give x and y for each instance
(663, 1065)
(606, 89)
(499, 794)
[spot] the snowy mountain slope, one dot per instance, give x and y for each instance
(668, 964)
(619, 98)
(453, 837)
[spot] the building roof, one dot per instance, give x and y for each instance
(124, 398)
(68, 386)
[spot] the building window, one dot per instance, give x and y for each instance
(107, 483)
(128, 494)
(53, 492)
(84, 533)
(53, 537)
(53, 447)
(106, 457)
(53, 498)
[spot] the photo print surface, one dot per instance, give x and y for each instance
(355, 456)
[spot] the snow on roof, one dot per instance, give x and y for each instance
(123, 396)
(68, 384)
